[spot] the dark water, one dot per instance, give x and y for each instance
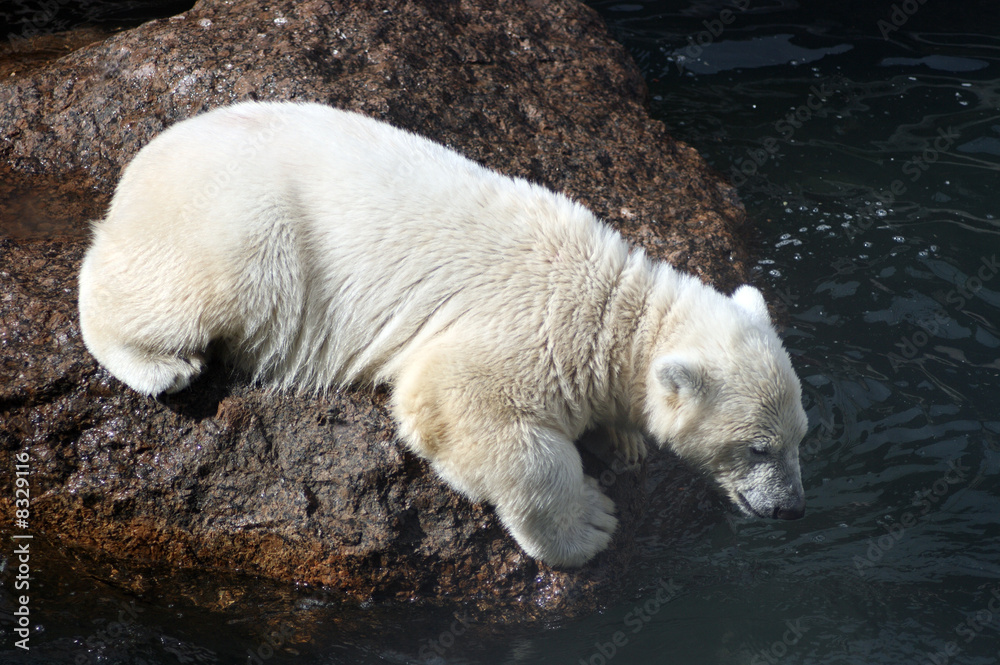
(865, 141)
(866, 145)
(20, 19)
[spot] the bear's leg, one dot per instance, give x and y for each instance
(555, 512)
(531, 473)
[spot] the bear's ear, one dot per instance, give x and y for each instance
(678, 375)
(751, 300)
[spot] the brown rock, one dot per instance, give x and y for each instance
(313, 489)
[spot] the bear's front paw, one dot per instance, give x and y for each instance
(629, 444)
(571, 534)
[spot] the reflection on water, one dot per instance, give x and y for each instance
(866, 147)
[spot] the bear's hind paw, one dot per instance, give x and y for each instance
(155, 375)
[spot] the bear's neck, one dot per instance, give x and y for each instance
(641, 301)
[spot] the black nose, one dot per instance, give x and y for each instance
(790, 512)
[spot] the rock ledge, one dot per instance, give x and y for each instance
(314, 490)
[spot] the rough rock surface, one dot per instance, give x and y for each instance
(313, 489)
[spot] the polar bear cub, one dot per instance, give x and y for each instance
(323, 248)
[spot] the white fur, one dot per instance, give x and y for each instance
(323, 248)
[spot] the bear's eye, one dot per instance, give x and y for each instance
(758, 450)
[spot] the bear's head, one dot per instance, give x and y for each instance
(722, 394)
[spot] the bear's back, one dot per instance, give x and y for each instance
(375, 238)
